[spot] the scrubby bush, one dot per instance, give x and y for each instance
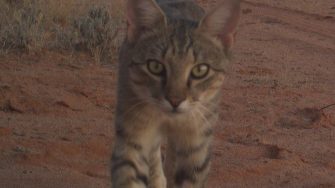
(95, 32)
(21, 25)
(33, 25)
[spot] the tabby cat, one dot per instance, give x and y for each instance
(172, 66)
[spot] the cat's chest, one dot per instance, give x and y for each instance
(186, 122)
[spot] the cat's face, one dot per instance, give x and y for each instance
(177, 70)
(178, 65)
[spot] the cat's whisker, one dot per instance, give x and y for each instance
(202, 116)
(132, 108)
(218, 109)
(207, 110)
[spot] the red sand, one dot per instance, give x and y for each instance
(56, 115)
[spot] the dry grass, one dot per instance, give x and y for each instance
(64, 25)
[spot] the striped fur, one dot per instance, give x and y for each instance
(173, 105)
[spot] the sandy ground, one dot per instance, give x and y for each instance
(56, 111)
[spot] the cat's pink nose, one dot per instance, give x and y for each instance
(175, 101)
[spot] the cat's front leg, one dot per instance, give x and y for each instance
(191, 143)
(193, 164)
(136, 140)
(157, 177)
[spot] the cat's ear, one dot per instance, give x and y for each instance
(222, 21)
(143, 15)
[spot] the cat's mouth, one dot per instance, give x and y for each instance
(172, 111)
(176, 111)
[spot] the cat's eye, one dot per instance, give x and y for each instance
(200, 71)
(155, 67)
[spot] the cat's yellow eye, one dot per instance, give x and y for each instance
(200, 71)
(155, 67)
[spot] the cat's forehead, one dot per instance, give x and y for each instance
(175, 42)
(181, 35)
(181, 10)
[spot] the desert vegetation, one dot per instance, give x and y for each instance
(33, 26)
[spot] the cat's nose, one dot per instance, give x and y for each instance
(175, 101)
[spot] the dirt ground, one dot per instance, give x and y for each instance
(56, 111)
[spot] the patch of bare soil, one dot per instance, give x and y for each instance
(55, 122)
(56, 111)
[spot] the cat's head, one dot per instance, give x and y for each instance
(179, 65)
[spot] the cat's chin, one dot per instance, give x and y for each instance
(170, 111)
(177, 112)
